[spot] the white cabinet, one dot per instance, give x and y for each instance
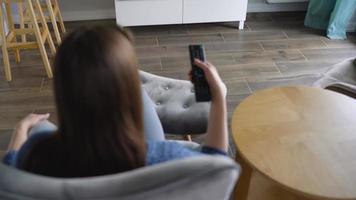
(154, 12)
(148, 12)
(213, 11)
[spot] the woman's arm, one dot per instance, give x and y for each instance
(217, 132)
(21, 130)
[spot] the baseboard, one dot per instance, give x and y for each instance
(88, 15)
(276, 7)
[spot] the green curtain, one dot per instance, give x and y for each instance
(330, 15)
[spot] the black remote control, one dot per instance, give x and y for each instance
(201, 86)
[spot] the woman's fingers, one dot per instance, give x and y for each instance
(217, 87)
(42, 117)
(33, 119)
(201, 64)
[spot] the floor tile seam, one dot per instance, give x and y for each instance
(160, 63)
(336, 41)
(42, 84)
(305, 57)
(351, 49)
(250, 32)
(201, 41)
(303, 61)
(208, 51)
(218, 32)
(290, 39)
(307, 73)
(261, 45)
(234, 54)
(191, 34)
(138, 35)
(222, 36)
(157, 42)
(248, 86)
(277, 68)
(256, 40)
(233, 30)
(19, 90)
(305, 48)
(184, 44)
(306, 37)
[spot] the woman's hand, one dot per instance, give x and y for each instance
(21, 130)
(217, 87)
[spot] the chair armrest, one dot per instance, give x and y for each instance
(198, 177)
(343, 88)
(175, 104)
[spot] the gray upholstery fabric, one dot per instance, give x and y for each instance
(175, 104)
(198, 178)
(340, 78)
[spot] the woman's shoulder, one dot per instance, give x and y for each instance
(162, 151)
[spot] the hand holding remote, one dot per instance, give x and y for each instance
(201, 86)
(217, 87)
(217, 132)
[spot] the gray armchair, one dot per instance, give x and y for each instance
(175, 104)
(198, 178)
(340, 78)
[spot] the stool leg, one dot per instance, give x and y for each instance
(17, 55)
(60, 18)
(5, 53)
(39, 39)
(11, 26)
(54, 21)
(16, 51)
(22, 26)
(45, 27)
(22, 22)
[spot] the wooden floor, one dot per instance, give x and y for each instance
(273, 50)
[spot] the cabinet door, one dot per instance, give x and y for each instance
(195, 11)
(148, 12)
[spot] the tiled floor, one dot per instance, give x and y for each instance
(273, 49)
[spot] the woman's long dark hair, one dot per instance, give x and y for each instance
(98, 97)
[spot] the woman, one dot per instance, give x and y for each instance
(100, 113)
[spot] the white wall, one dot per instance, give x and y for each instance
(262, 6)
(87, 9)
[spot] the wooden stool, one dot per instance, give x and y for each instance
(9, 33)
(54, 16)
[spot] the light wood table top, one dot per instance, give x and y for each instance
(302, 138)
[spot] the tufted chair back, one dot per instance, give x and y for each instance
(176, 105)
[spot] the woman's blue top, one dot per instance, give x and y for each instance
(157, 151)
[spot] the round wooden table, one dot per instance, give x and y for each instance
(302, 138)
